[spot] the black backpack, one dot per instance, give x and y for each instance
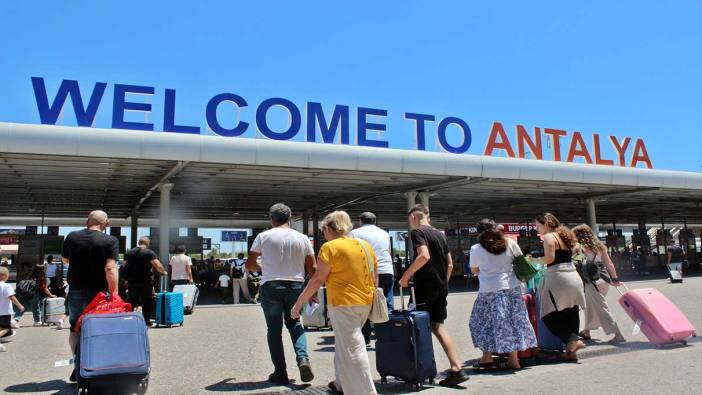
(27, 288)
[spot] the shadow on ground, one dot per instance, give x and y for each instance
(230, 385)
(61, 387)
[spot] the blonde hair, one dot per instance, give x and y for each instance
(4, 273)
(338, 221)
(587, 238)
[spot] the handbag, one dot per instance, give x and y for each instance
(524, 270)
(379, 305)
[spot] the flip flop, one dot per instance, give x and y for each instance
(484, 365)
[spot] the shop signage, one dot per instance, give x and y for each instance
(334, 126)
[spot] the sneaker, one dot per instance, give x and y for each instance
(72, 378)
(2, 348)
(279, 378)
(5, 338)
(306, 374)
(38, 323)
(454, 378)
(14, 324)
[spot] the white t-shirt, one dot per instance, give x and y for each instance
(380, 241)
(5, 305)
(496, 272)
(178, 265)
(283, 252)
(224, 281)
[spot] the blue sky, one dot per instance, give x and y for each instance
(624, 68)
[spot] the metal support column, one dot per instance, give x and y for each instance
(424, 199)
(591, 215)
(411, 201)
(135, 229)
(164, 229)
(306, 223)
(315, 232)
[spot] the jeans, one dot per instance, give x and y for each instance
(278, 298)
(386, 282)
(77, 302)
(32, 304)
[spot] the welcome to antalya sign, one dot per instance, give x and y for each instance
(333, 127)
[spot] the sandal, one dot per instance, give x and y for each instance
(332, 386)
(484, 365)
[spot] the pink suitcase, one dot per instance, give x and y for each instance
(659, 319)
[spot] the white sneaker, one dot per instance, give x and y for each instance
(38, 323)
(8, 336)
(59, 325)
(14, 324)
(2, 348)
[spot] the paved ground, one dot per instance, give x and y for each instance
(223, 349)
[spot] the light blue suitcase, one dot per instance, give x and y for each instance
(113, 351)
(169, 309)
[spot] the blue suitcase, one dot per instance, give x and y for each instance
(404, 349)
(169, 309)
(113, 351)
(547, 341)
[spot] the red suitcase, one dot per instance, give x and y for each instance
(659, 319)
(530, 302)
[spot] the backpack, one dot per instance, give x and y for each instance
(27, 288)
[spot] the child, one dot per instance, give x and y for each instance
(223, 284)
(7, 299)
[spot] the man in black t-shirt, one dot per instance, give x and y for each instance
(139, 262)
(676, 256)
(431, 270)
(91, 258)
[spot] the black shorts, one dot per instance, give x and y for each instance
(5, 322)
(434, 301)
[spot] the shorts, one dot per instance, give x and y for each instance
(77, 302)
(434, 301)
(5, 322)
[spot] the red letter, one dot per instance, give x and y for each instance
(534, 148)
(621, 149)
(557, 134)
(598, 154)
(492, 144)
(640, 155)
(578, 148)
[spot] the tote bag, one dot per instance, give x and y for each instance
(379, 306)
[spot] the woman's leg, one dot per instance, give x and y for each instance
(351, 364)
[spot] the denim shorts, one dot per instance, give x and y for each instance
(77, 301)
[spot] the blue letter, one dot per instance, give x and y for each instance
(49, 114)
(211, 115)
(262, 123)
(466, 135)
(364, 126)
(419, 120)
(315, 112)
(169, 116)
(119, 106)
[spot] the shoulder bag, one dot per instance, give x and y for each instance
(379, 305)
(524, 270)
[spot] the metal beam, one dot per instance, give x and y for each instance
(166, 177)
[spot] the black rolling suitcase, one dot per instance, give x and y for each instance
(403, 347)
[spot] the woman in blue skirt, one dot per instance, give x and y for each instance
(499, 322)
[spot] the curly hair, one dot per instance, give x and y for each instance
(587, 238)
(490, 238)
(551, 221)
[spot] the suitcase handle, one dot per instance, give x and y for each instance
(620, 291)
(402, 298)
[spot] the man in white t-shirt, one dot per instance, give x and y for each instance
(285, 254)
(181, 268)
(223, 285)
(380, 241)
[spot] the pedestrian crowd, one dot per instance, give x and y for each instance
(351, 264)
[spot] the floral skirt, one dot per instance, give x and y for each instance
(500, 323)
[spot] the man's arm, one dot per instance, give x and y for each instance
(251, 264)
(670, 256)
(421, 259)
(449, 268)
(310, 265)
(156, 264)
(189, 268)
(112, 276)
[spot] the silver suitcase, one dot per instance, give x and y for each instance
(53, 310)
(190, 293)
